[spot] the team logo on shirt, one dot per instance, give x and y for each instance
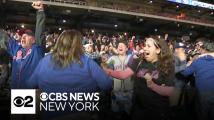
(20, 56)
(142, 72)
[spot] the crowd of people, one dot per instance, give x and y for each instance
(134, 6)
(139, 79)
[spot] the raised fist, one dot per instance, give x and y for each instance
(38, 5)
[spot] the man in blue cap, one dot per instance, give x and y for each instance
(180, 56)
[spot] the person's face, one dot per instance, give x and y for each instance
(102, 47)
(171, 47)
(104, 58)
(48, 44)
(96, 48)
(151, 52)
(202, 51)
(27, 41)
(110, 48)
(114, 39)
(89, 49)
(103, 40)
(198, 45)
(179, 51)
(122, 49)
(56, 35)
(106, 48)
(90, 41)
(99, 38)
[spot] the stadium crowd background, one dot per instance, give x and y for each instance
(100, 46)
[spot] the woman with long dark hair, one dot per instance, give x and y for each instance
(153, 83)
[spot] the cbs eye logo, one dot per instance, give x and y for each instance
(26, 101)
(23, 101)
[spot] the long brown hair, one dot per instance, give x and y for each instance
(68, 49)
(165, 57)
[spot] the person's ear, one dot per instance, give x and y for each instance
(158, 51)
(33, 40)
(127, 49)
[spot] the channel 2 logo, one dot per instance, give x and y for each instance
(23, 101)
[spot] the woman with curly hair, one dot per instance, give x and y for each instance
(153, 80)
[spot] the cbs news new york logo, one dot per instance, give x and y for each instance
(23, 101)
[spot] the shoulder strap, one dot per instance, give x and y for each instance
(138, 66)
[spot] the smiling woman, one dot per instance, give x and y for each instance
(153, 83)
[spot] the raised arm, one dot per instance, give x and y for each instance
(8, 43)
(3, 39)
(40, 21)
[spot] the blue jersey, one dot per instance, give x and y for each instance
(85, 77)
(24, 62)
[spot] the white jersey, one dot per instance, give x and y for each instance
(120, 85)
